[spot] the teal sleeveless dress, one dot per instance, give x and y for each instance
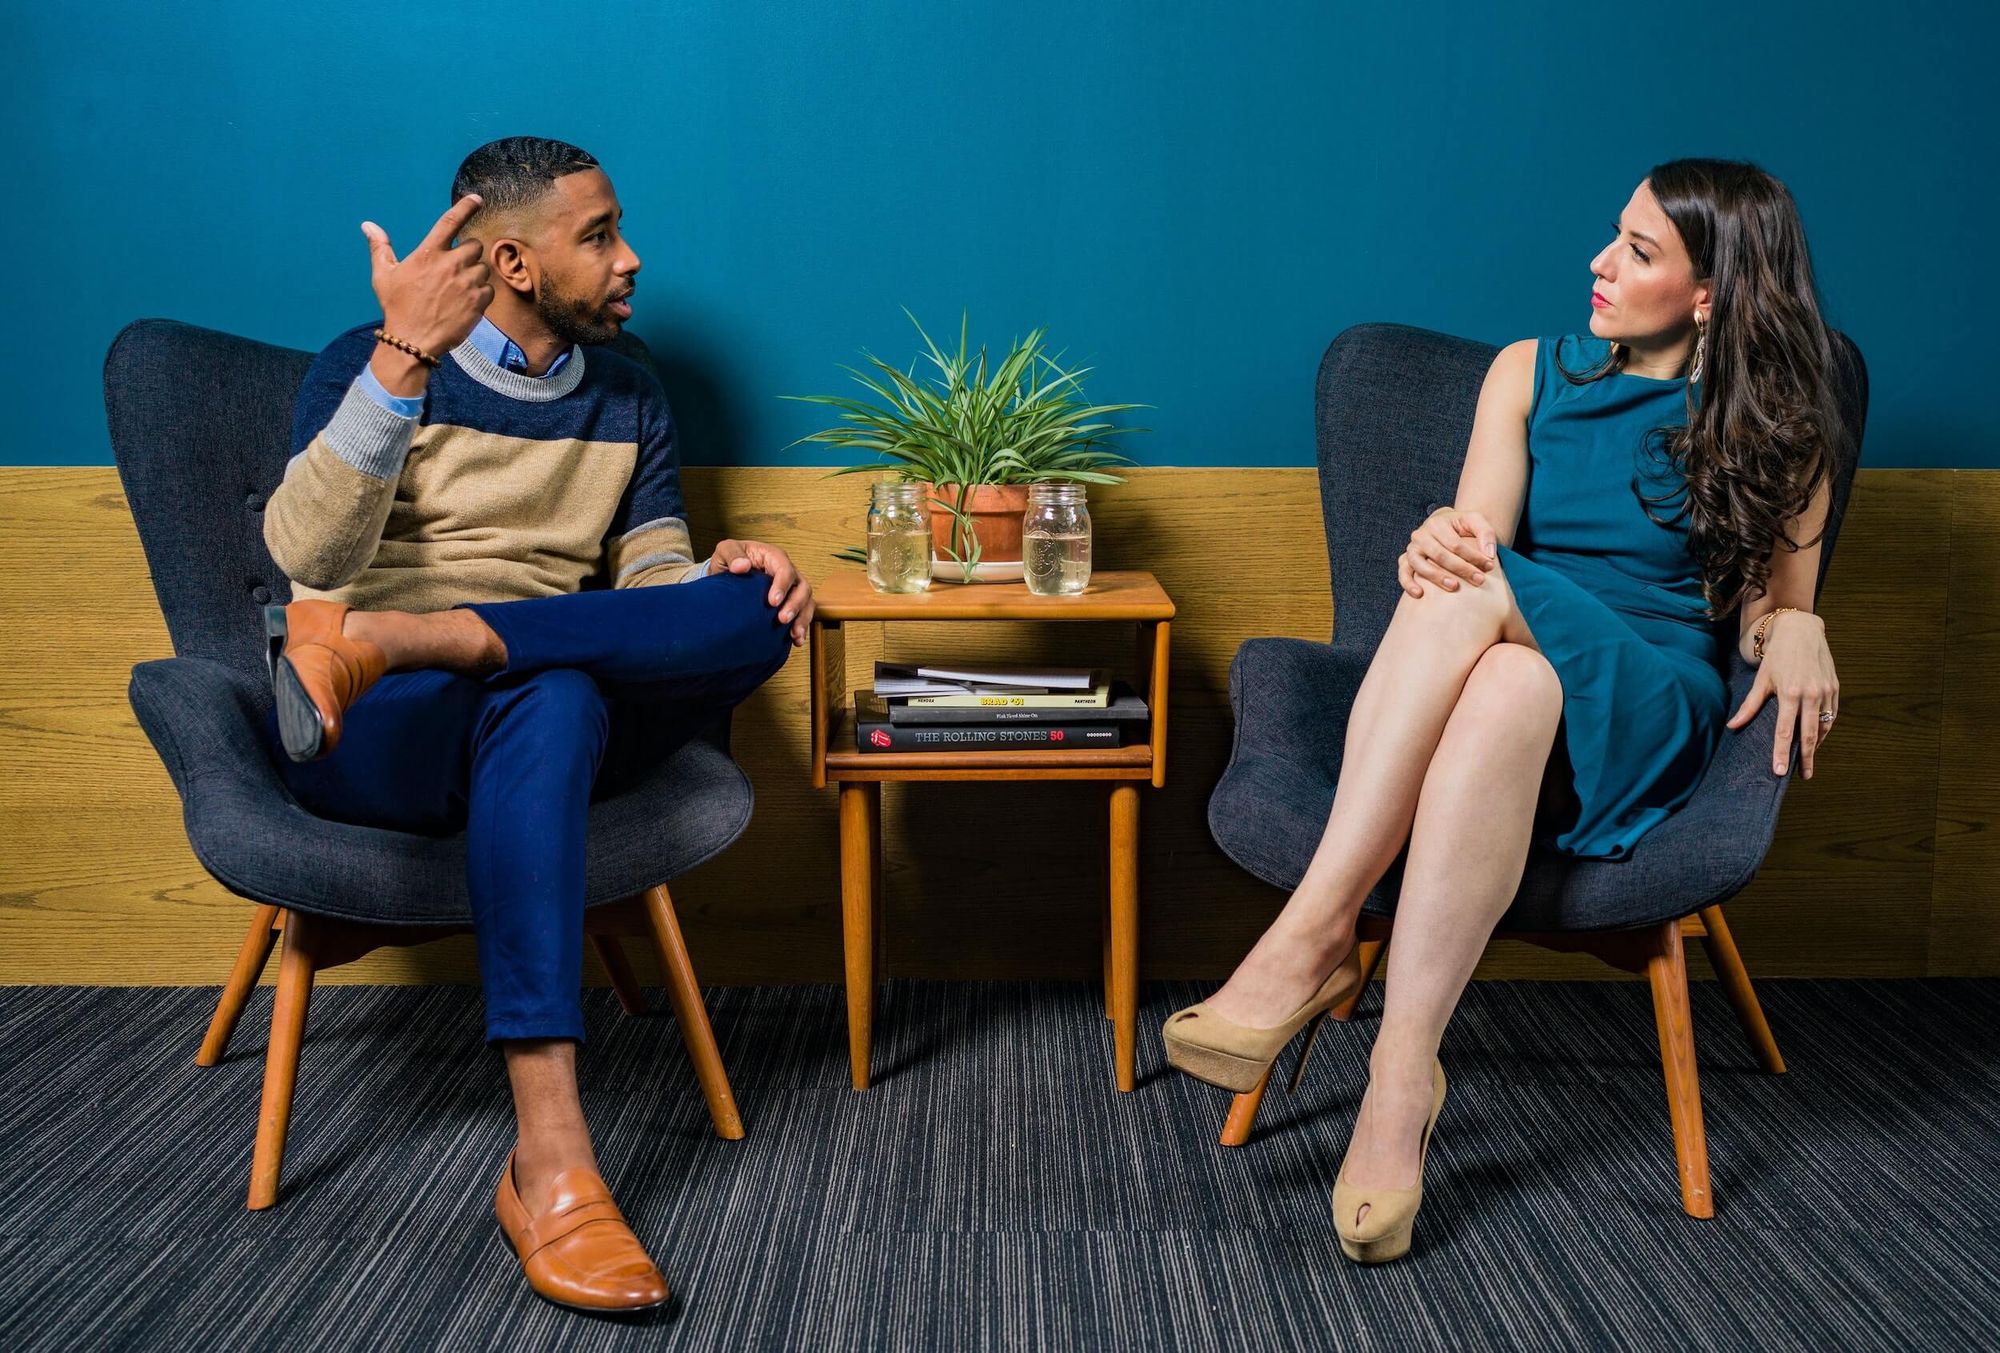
(1614, 600)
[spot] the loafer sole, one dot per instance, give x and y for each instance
(300, 727)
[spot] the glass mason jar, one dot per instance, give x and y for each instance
(1055, 540)
(899, 537)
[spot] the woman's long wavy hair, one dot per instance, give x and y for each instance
(1767, 429)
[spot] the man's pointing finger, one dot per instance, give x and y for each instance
(450, 223)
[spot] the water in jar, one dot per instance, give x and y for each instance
(899, 560)
(1056, 564)
(1055, 540)
(899, 539)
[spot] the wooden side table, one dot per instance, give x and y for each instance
(845, 597)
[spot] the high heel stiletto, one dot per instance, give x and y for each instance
(1235, 1056)
(1392, 1213)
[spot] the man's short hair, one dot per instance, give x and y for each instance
(517, 171)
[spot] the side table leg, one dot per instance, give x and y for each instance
(857, 919)
(881, 902)
(1104, 942)
(1124, 929)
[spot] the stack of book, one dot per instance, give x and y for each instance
(994, 708)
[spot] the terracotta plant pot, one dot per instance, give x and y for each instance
(996, 511)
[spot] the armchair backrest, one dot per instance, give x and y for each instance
(201, 429)
(1394, 414)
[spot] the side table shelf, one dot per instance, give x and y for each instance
(1095, 763)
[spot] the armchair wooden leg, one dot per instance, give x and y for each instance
(1243, 1114)
(685, 996)
(1243, 1109)
(250, 961)
(1371, 959)
(1124, 932)
(1728, 965)
(857, 922)
(281, 1058)
(1666, 969)
(610, 951)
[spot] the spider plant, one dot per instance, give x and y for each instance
(1015, 419)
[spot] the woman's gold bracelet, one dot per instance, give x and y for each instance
(384, 336)
(1757, 636)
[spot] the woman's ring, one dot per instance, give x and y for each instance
(1826, 716)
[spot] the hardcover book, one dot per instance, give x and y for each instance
(874, 732)
(993, 697)
(1120, 704)
(1010, 674)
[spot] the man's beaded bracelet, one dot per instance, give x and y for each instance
(1757, 637)
(384, 336)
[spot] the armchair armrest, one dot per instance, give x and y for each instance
(204, 719)
(1291, 698)
(1728, 825)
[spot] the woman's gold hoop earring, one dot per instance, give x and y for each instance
(1700, 348)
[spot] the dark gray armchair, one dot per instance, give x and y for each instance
(201, 429)
(1395, 409)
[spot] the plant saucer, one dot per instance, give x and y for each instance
(996, 571)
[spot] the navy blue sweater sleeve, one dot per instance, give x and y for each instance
(327, 384)
(648, 541)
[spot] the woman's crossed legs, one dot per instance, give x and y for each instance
(1446, 747)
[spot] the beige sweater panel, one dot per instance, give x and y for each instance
(386, 512)
(472, 517)
(324, 522)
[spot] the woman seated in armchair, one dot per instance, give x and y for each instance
(1632, 500)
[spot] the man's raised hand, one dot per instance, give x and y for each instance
(434, 295)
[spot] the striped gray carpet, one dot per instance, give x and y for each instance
(993, 1191)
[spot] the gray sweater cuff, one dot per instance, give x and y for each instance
(368, 436)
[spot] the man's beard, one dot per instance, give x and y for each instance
(575, 319)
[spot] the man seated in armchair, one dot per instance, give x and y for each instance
(497, 615)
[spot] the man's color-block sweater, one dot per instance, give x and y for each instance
(507, 486)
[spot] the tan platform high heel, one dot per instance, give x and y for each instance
(1392, 1213)
(1236, 1056)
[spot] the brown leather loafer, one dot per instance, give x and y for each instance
(316, 673)
(579, 1252)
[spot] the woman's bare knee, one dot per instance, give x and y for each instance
(1515, 681)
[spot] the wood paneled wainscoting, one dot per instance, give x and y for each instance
(1885, 864)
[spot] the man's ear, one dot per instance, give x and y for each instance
(514, 267)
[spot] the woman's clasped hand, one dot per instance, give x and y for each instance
(1447, 547)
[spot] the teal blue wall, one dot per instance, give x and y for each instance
(1193, 197)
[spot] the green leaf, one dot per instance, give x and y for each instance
(981, 418)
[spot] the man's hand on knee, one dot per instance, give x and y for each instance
(790, 592)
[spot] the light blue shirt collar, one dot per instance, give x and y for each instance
(504, 353)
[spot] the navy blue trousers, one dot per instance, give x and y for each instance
(598, 687)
